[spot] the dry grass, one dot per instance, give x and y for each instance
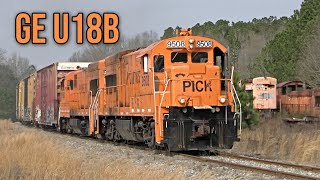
(28, 154)
(275, 139)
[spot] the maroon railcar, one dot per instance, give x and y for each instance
(47, 91)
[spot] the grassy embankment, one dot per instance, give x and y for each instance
(275, 139)
(27, 153)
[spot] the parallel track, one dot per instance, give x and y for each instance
(278, 163)
(258, 169)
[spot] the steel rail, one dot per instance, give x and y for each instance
(250, 168)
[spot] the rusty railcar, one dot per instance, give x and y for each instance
(305, 102)
(176, 93)
(284, 88)
(47, 91)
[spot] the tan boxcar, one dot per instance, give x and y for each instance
(30, 93)
(25, 98)
(20, 101)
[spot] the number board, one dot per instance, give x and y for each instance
(176, 44)
(204, 44)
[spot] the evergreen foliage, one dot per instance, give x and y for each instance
(249, 115)
(280, 57)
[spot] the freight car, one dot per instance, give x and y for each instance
(296, 97)
(264, 92)
(20, 101)
(306, 102)
(47, 91)
(284, 88)
(176, 93)
(25, 99)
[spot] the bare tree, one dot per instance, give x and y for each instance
(2, 55)
(96, 52)
(19, 65)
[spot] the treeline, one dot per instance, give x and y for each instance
(294, 53)
(244, 39)
(286, 48)
(13, 68)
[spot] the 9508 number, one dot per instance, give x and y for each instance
(176, 44)
(204, 44)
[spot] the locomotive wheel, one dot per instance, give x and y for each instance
(151, 142)
(101, 136)
(116, 136)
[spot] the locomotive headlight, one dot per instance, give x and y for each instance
(191, 41)
(223, 100)
(184, 110)
(217, 109)
(182, 100)
(191, 46)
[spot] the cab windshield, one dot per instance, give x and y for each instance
(199, 57)
(182, 57)
(179, 57)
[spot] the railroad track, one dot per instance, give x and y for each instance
(264, 170)
(278, 163)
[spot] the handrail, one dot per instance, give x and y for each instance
(154, 93)
(238, 100)
(97, 99)
(90, 104)
(163, 94)
(95, 107)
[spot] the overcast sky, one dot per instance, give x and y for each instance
(135, 16)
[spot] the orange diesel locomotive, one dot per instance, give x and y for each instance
(176, 93)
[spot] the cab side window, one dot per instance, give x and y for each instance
(70, 84)
(94, 85)
(158, 63)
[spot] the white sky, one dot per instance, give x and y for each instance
(135, 16)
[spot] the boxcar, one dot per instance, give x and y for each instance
(28, 98)
(20, 101)
(48, 89)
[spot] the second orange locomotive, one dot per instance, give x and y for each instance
(176, 93)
